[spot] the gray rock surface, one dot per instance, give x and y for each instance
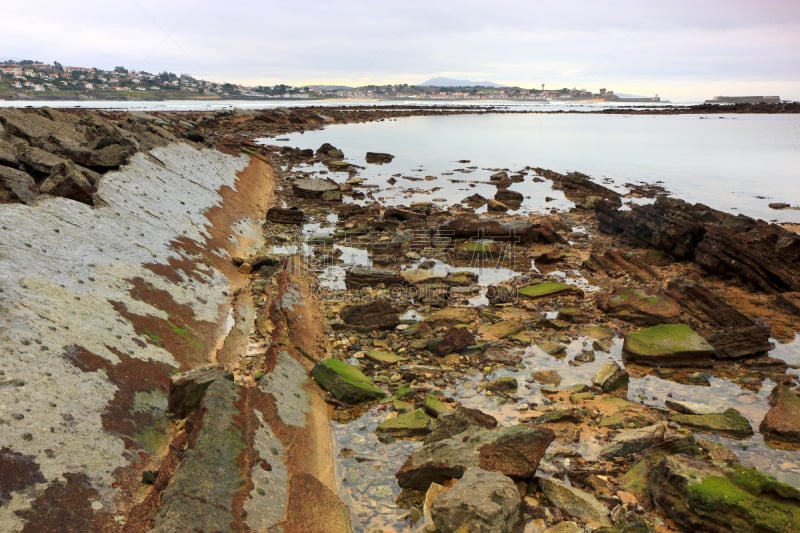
(573, 501)
(479, 502)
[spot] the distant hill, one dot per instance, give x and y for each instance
(450, 82)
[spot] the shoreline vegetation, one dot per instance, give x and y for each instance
(616, 379)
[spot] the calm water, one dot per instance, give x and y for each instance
(737, 163)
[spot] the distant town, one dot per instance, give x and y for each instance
(28, 79)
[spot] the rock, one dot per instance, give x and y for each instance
(434, 406)
(358, 276)
(779, 205)
(548, 377)
(458, 420)
(345, 382)
(580, 187)
(378, 158)
(405, 215)
(455, 340)
(474, 201)
(378, 314)
(187, 389)
(702, 497)
(385, 357)
(514, 451)
(480, 502)
(411, 424)
(547, 288)
(637, 307)
(512, 199)
(493, 206)
(39, 160)
(316, 189)
(20, 185)
(328, 151)
(461, 278)
(68, 182)
(8, 155)
(573, 501)
(521, 231)
(280, 215)
(503, 385)
(667, 345)
(479, 249)
(632, 441)
(764, 256)
(420, 275)
(452, 316)
(782, 421)
(730, 423)
(611, 377)
(689, 408)
(789, 301)
(500, 294)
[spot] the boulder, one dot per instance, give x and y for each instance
(631, 441)
(39, 160)
(514, 451)
(359, 276)
(782, 421)
(411, 424)
(316, 189)
(345, 382)
(521, 231)
(329, 151)
(730, 423)
(479, 502)
(574, 501)
(67, 181)
(378, 158)
(8, 155)
(702, 497)
(376, 315)
(280, 215)
(512, 199)
(638, 307)
(455, 340)
(455, 421)
(667, 345)
(493, 206)
(547, 288)
(611, 377)
(21, 185)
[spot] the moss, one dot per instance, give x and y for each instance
(435, 406)
(741, 509)
(345, 382)
(416, 422)
(545, 288)
(666, 339)
(154, 338)
(731, 422)
(385, 357)
(481, 246)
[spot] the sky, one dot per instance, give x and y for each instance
(680, 49)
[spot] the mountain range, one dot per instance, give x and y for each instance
(450, 82)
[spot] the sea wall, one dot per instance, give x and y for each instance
(99, 306)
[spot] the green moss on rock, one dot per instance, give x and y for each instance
(668, 345)
(411, 424)
(345, 382)
(546, 288)
(730, 423)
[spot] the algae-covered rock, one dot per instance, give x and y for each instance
(345, 382)
(435, 406)
(547, 288)
(730, 423)
(411, 424)
(702, 497)
(389, 358)
(638, 307)
(668, 345)
(611, 377)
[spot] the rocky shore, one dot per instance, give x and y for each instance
(200, 333)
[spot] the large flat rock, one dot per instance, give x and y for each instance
(668, 345)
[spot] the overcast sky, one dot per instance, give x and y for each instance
(677, 48)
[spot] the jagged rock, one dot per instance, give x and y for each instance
(580, 188)
(378, 314)
(789, 301)
(611, 377)
(515, 451)
(411, 424)
(378, 158)
(574, 501)
(761, 255)
(730, 422)
(316, 189)
(455, 340)
(702, 497)
(8, 156)
(329, 151)
(690, 408)
(457, 420)
(358, 276)
(667, 345)
(39, 160)
(503, 385)
(404, 215)
(21, 186)
(436, 407)
(345, 382)
(479, 502)
(637, 307)
(474, 201)
(69, 182)
(493, 206)
(782, 421)
(631, 441)
(280, 215)
(187, 389)
(512, 199)
(521, 231)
